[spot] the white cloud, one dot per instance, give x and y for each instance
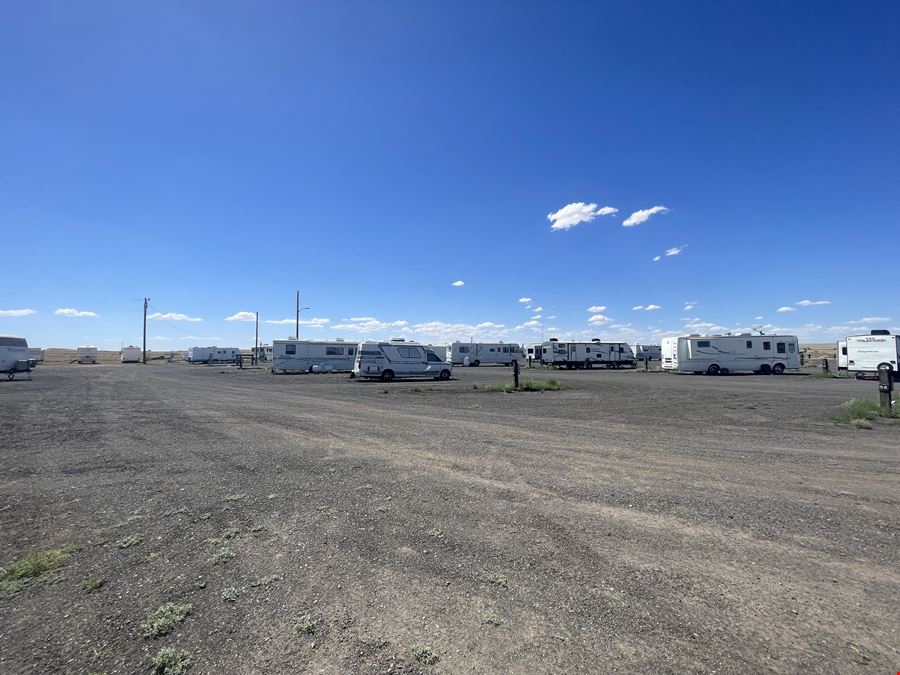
(689, 305)
(538, 309)
(459, 282)
(598, 319)
(315, 322)
(785, 309)
(163, 338)
(242, 316)
(536, 316)
(596, 309)
(550, 317)
(807, 303)
(657, 258)
(650, 308)
(675, 250)
(641, 216)
(870, 319)
(578, 212)
(17, 312)
(172, 316)
(758, 318)
(637, 308)
(524, 300)
(68, 311)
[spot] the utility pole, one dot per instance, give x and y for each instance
(146, 302)
(256, 345)
(297, 327)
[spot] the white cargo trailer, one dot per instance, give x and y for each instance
(131, 354)
(86, 354)
(309, 356)
(593, 354)
(484, 353)
(869, 353)
(13, 355)
(213, 354)
(398, 359)
(723, 354)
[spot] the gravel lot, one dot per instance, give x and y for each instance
(634, 522)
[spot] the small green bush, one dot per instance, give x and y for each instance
(165, 618)
(304, 624)
(425, 654)
(170, 661)
(231, 594)
(223, 555)
(859, 410)
(129, 541)
(34, 568)
(549, 384)
(92, 584)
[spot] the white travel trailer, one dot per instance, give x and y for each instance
(723, 354)
(86, 354)
(484, 353)
(534, 353)
(399, 359)
(650, 352)
(842, 355)
(35, 354)
(587, 354)
(309, 356)
(870, 353)
(131, 354)
(13, 355)
(213, 354)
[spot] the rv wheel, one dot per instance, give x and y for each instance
(476, 363)
(445, 374)
(387, 375)
(860, 376)
(778, 369)
(766, 369)
(712, 370)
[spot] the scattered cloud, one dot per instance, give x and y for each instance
(869, 319)
(17, 312)
(315, 322)
(578, 212)
(758, 318)
(785, 309)
(675, 250)
(524, 300)
(637, 308)
(657, 258)
(172, 316)
(643, 215)
(538, 309)
(242, 316)
(69, 311)
(598, 319)
(536, 316)
(596, 309)
(689, 305)
(163, 338)
(808, 303)
(646, 308)
(458, 283)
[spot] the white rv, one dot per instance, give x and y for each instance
(650, 352)
(723, 354)
(399, 359)
(35, 354)
(484, 353)
(213, 354)
(309, 356)
(86, 354)
(870, 353)
(131, 354)
(587, 354)
(842, 355)
(13, 355)
(534, 353)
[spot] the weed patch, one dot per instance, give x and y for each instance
(231, 594)
(498, 580)
(425, 654)
(859, 412)
(165, 618)
(170, 661)
(91, 584)
(174, 512)
(493, 620)
(129, 541)
(305, 624)
(264, 581)
(224, 554)
(436, 533)
(233, 498)
(528, 385)
(34, 568)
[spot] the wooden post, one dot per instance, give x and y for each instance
(646, 363)
(825, 365)
(515, 374)
(885, 385)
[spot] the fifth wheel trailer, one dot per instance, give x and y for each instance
(722, 354)
(308, 356)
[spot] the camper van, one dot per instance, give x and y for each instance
(483, 353)
(86, 354)
(131, 354)
(723, 354)
(13, 355)
(649, 352)
(869, 353)
(399, 359)
(213, 354)
(593, 354)
(312, 356)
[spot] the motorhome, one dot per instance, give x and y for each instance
(131, 354)
(870, 353)
(308, 356)
(723, 354)
(35, 354)
(13, 355)
(86, 354)
(213, 354)
(593, 354)
(484, 353)
(649, 352)
(399, 359)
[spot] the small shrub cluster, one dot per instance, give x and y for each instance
(165, 618)
(34, 568)
(224, 554)
(528, 385)
(425, 654)
(231, 594)
(129, 541)
(859, 413)
(304, 624)
(91, 584)
(170, 661)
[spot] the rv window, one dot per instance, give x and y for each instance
(703, 343)
(408, 352)
(780, 346)
(334, 351)
(350, 351)
(843, 351)
(492, 349)
(791, 347)
(433, 357)
(290, 349)
(767, 346)
(749, 344)
(587, 349)
(463, 350)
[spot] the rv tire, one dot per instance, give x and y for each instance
(778, 369)
(713, 370)
(860, 376)
(445, 375)
(387, 375)
(766, 369)
(476, 363)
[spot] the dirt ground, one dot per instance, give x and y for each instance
(634, 522)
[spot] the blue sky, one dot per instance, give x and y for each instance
(217, 156)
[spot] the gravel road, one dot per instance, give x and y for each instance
(634, 522)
